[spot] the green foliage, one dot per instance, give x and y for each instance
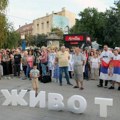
(8, 37)
(3, 5)
(3, 21)
(102, 26)
(39, 40)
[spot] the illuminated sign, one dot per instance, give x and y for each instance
(74, 38)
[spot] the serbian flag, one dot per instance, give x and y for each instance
(104, 69)
(116, 70)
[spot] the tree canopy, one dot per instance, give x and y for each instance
(102, 26)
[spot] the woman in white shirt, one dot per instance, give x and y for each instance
(95, 65)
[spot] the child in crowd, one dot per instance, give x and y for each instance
(34, 74)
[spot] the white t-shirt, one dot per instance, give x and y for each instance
(95, 62)
(116, 57)
(34, 73)
(106, 56)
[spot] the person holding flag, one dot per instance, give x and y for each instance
(105, 58)
(115, 75)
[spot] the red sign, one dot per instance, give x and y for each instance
(74, 38)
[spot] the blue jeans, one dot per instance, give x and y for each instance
(86, 72)
(65, 70)
(44, 72)
(28, 71)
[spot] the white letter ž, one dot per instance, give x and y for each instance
(14, 98)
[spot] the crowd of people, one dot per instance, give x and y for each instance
(75, 63)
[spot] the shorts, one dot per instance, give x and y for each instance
(35, 84)
(78, 72)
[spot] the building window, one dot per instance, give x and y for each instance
(42, 25)
(37, 27)
(47, 24)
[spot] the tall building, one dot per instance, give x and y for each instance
(60, 20)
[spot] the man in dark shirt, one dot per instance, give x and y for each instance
(17, 62)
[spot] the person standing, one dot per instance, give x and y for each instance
(34, 74)
(105, 58)
(62, 57)
(114, 70)
(30, 61)
(17, 62)
(94, 67)
(5, 63)
(24, 63)
(44, 60)
(79, 61)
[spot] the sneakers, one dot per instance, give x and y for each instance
(111, 88)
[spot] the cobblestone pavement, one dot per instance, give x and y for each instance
(90, 92)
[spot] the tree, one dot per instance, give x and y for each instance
(3, 21)
(112, 29)
(103, 26)
(92, 22)
(38, 40)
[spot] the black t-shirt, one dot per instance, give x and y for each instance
(17, 58)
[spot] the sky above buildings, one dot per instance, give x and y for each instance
(20, 12)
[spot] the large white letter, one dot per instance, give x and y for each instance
(103, 102)
(41, 99)
(82, 104)
(14, 98)
(55, 101)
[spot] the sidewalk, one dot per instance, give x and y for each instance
(90, 92)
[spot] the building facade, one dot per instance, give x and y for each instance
(26, 30)
(60, 20)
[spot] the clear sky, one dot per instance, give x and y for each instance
(20, 12)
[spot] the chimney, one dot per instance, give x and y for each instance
(63, 9)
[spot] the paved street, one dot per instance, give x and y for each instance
(90, 92)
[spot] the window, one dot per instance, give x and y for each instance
(47, 24)
(37, 27)
(42, 25)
